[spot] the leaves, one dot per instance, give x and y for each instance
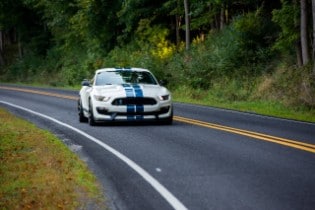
(286, 18)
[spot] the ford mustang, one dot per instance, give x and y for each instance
(124, 94)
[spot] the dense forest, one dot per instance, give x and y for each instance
(235, 50)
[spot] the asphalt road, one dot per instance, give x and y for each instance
(190, 164)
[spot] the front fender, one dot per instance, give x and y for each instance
(84, 97)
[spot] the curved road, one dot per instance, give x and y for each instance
(208, 159)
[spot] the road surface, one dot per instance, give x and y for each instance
(208, 159)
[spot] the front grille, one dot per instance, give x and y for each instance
(162, 110)
(134, 101)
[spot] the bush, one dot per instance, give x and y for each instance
(293, 86)
(25, 70)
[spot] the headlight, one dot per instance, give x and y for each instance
(164, 97)
(101, 98)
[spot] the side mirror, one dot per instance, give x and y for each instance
(85, 82)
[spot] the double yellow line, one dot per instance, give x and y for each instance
(286, 142)
(255, 135)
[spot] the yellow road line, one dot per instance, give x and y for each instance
(260, 136)
(255, 135)
(39, 92)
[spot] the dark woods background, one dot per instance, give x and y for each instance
(238, 50)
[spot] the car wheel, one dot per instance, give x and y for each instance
(167, 121)
(91, 119)
(82, 118)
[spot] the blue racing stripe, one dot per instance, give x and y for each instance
(139, 94)
(130, 108)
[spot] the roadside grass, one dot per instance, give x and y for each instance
(269, 108)
(38, 171)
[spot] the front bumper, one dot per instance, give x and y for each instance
(103, 111)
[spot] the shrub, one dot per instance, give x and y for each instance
(293, 86)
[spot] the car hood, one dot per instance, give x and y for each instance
(144, 90)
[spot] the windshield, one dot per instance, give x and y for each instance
(123, 77)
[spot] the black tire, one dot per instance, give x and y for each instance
(82, 118)
(91, 119)
(168, 121)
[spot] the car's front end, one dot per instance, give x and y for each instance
(131, 102)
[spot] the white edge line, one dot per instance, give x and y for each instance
(168, 196)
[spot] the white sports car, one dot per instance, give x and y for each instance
(124, 94)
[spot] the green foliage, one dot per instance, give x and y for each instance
(255, 30)
(7, 8)
(287, 18)
(66, 41)
(24, 70)
(259, 106)
(201, 17)
(149, 49)
(132, 12)
(132, 55)
(154, 39)
(95, 23)
(223, 54)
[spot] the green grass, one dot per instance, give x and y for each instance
(269, 108)
(38, 171)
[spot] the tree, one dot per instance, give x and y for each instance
(304, 33)
(175, 10)
(21, 28)
(8, 25)
(133, 11)
(187, 24)
(96, 22)
(313, 15)
(288, 40)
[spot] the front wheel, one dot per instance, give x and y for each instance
(91, 119)
(82, 118)
(167, 121)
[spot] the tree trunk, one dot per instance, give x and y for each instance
(20, 50)
(212, 22)
(187, 23)
(177, 30)
(222, 17)
(226, 14)
(313, 49)
(1, 41)
(2, 62)
(178, 24)
(304, 39)
(20, 47)
(298, 54)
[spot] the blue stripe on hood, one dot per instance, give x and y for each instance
(134, 91)
(130, 94)
(139, 94)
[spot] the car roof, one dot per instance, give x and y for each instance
(121, 69)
